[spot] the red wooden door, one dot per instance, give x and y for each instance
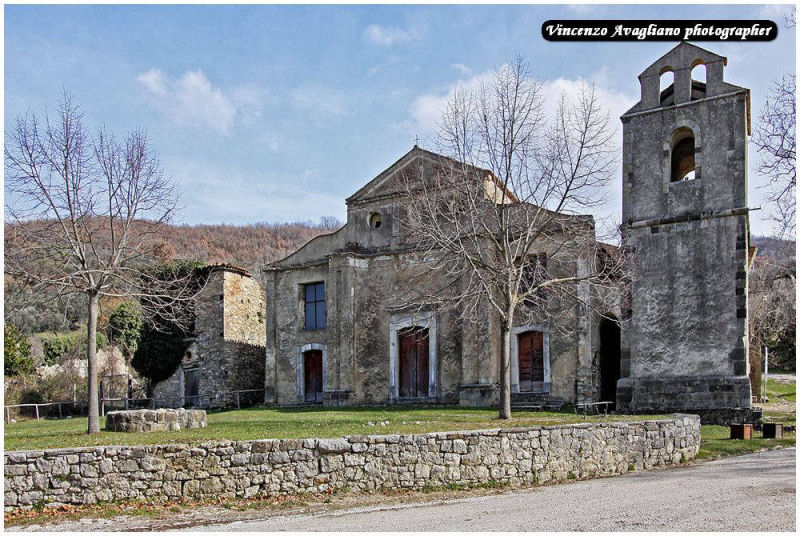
(413, 362)
(531, 361)
(313, 375)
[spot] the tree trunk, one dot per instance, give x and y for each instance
(505, 371)
(94, 410)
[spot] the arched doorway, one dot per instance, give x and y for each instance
(312, 371)
(609, 359)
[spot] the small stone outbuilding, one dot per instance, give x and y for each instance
(226, 353)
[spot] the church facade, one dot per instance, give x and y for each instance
(335, 335)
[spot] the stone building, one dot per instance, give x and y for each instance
(226, 353)
(685, 217)
(334, 336)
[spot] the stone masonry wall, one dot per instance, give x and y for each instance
(155, 420)
(520, 456)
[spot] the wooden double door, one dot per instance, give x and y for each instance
(414, 363)
(312, 369)
(531, 361)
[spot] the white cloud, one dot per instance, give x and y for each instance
(615, 102)
(585, 9)
(777, 13)
(388, 36)
(426, 110)
(191, 100)
(461, 68)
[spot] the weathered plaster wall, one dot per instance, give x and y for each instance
(686, 314)
(244, 309)
(369, 273)
(687, 342)
(522, 456)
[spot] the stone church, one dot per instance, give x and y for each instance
(332, 337)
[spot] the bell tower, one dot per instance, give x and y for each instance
(685, 220)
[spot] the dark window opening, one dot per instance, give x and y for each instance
(315, 306)
(609, 359)
(683, 166)
(375, 220)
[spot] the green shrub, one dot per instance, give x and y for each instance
(32, 396)
(16, 352)
(56, 345)
(159, 353)
(125, 327)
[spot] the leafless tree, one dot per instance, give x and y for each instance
(772, 303)
(498, 222)
(82, 213)
(774, 139)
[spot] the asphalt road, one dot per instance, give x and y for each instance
(753, 493)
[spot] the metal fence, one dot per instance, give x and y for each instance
(239, 399)
(42, 410)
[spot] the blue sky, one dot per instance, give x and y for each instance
(278, 113)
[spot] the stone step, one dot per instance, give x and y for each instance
(520, 407)
(536, 402)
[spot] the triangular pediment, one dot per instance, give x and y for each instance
(392, 180)
(397, 178)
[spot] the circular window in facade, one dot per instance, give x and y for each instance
(375, 220)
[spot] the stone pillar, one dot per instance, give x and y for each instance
(270, 370)
(341, 323)
(584, 390)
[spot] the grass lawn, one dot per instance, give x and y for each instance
(260, 423)
(781, 391)
(716, 442)
(781, 408)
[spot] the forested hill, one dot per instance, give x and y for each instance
(776, 248)
(248, 246)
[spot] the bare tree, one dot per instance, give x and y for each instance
(82, 214)
(772, 303)
(497, 224)
(774, 139)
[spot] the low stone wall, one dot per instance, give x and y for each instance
(155, 420)
(518, 456)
